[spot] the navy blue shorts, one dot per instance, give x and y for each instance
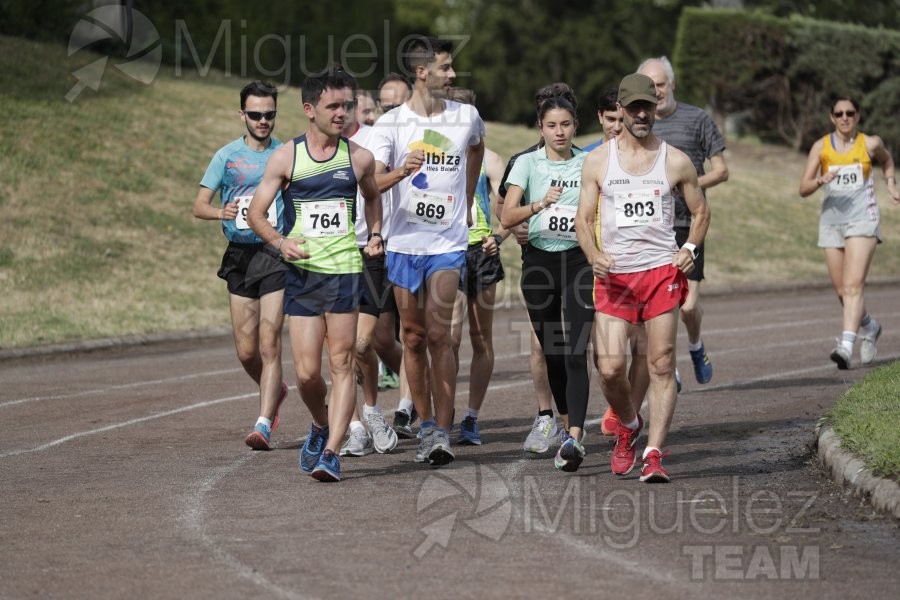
(311, 294)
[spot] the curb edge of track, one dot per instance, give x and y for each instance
(850, 472)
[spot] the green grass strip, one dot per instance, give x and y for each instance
(867, 420)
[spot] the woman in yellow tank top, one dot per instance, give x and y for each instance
(841, 162)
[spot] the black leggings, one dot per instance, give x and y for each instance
(558, 292)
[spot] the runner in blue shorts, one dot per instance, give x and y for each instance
(442, 142)
(318, 173)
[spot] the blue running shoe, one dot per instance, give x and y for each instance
(569, 456)
(313, 447)
(328, 468)
(259, 437)
(468, 432)
(702, 367)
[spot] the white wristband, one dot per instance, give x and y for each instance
(692, 248)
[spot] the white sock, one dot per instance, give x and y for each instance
(471, 412)
(265, 422)
(356, 426)
(371, 410)
(848, 338)
(633, 425)
(406, 405)
(648, 449)
(695, 347)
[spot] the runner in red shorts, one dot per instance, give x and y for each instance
(639, 270)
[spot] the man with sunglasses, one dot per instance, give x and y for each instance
(319, 173)
(692, 131)
(255, 281)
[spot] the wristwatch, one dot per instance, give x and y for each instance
(692, 248)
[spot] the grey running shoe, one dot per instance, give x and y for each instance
(867, 349)
(358, 444)
(841, 357)
(544, 432)
(384, 437)
(425, 441)
(440, 453)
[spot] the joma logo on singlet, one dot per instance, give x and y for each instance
(563, 184)
(620, 182)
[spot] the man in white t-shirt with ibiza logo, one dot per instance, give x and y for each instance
(441, 144)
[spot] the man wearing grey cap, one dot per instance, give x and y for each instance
(640, 272)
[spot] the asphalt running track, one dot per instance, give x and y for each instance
(125, 475)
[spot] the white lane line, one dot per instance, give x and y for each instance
(160, 415)
(463, 363)
(193, 519)
(178, 378)
(512, 474)
(124, 386)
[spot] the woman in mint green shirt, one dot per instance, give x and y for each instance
(543, 188)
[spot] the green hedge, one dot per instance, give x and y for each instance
(782, 73)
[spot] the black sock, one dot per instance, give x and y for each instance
(546, 413)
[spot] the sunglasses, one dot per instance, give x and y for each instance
(839, 114)
(256, 116)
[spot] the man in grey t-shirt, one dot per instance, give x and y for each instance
(692, 131)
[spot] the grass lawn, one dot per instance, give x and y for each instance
(98, 240)
(867, 420)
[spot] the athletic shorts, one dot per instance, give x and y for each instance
(834, 235)
(377, 295)
(681, 236)
(251, 270)
(311, 294)
(481, 270)
(411, 271)
(638, 297)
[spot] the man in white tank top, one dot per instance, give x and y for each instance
(639, 270)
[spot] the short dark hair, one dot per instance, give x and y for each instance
(420, 52)
(395, 77)
(608, 99)
(334, 77)
(261, 89)
(555, 89)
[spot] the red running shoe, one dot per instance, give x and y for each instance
(284, 393)
(623, 453)
(652, 470)
(609, 422)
